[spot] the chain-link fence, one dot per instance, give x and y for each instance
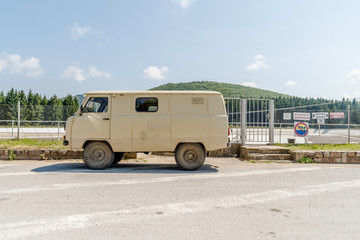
(36, 112)
(335, 126)
(34, 121)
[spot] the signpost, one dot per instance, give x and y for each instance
(337, 115)
(301, 116)
(301, 129)
(321, 121)
(287, 116)
(320, 115)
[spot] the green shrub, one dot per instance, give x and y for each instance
(11, 155)
(305, 160)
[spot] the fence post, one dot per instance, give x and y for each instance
(18, 123)
(280, 132)
(58, 131)
(12, 129)
(271, 122)
(348, 123)
(243, 121)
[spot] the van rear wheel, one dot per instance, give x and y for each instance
(118, 157)
(98, 155)
(190, 156)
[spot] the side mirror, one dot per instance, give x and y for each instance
(81, 110)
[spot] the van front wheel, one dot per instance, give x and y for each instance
(190, 156)
(98, 155)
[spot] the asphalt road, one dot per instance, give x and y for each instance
(150, 198)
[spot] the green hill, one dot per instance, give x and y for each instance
(227, 89)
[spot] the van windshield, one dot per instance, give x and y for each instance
(96, 104)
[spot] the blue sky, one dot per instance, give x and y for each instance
(302, 48)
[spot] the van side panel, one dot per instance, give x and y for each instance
(151, 130)
(121, 123)
(218, 123)
(190, 119)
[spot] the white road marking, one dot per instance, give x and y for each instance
(6, 174)
(73, 222)
(62, 186)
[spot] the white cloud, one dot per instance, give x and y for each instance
(249, 84)
(259, 57)
(291, 83)
(78, 31)
(74, 72)
(353, 76)
(155, 73)
(94, 73)
(184, 3)
(13, 63)
(259, 63)
(80, 75)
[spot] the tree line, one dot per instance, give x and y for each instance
(35, 107)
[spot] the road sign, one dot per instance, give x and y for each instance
(287, 116)
(302, 116)
(320, 115)
(301, 129)
(321, 121)
(337, 115)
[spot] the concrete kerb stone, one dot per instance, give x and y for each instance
(327, 156)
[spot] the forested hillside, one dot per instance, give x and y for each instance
(227, 89)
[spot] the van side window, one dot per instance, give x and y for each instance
(147, 104)
(96, 104)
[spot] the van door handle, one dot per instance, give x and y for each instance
(106, 118)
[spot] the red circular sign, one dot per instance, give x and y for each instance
(301, 129)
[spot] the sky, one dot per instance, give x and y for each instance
(302, 48)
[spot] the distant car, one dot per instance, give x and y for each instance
(109, 123)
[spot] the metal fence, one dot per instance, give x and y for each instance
(10, 129)
(319, 133)
(254, 121)
(36, 112)
(33, 121)
(250, 120)
(329, 130)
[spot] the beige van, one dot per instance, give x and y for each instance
(110, 123)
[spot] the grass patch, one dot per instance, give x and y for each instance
(328, 147)
(25, 144)
(305, 160)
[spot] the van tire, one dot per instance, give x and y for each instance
(118, 157)
(190, 156)
(98, 155)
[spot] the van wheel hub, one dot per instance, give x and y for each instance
(99, 155)
(190, 156)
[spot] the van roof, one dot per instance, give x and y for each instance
(153, 93)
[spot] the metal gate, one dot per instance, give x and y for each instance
(250, 120)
